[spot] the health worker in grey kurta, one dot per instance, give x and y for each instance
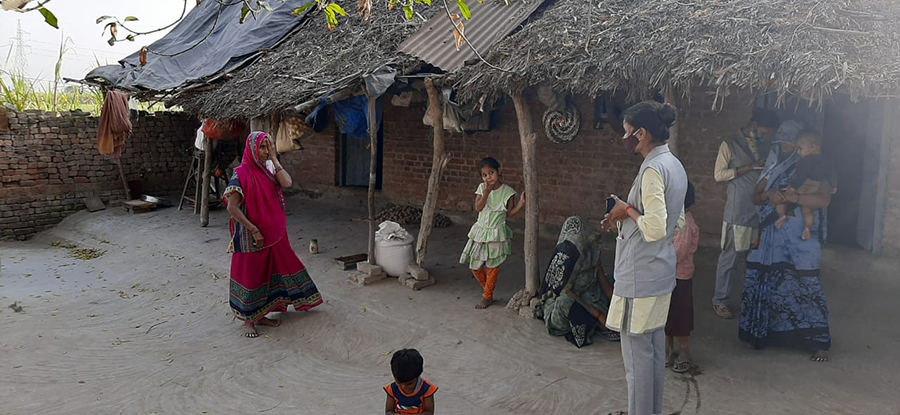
(741, 158)
(645, 254)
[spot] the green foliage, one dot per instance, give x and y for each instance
(49, 17)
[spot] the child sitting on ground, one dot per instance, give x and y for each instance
(490, 237)
(409, 394)
(681, 309)
(814, 174)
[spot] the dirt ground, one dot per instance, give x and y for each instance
(146, 329)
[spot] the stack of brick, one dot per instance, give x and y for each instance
(49, 163)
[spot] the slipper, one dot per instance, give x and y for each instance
(670, 360)
(618, 413)
(611, 336)
(723, 312)
(681, 366)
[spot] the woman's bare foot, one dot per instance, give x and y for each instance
(821, 356)
(807, 234)
(250, 330)
(269, 322)
(781, 221)
(485, 303)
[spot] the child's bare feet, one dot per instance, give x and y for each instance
(485, 303)
(781, 221)
(807, 233)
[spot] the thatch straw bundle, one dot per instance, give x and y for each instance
(810, 48)
(311, 63)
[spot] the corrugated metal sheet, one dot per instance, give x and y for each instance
(490, 22)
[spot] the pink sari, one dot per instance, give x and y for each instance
(272, 277)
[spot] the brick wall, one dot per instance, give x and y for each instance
(575, 178)
(49, 163)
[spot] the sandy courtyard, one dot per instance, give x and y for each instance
(146, 329)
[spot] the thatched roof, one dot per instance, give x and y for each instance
(308, 65)
(806, 47)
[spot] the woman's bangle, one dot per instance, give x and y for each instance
(278, 169)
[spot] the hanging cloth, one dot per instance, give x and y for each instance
(352, 115)
(115, 125)
(290, 131)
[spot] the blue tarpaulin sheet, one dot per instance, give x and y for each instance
(230, 45)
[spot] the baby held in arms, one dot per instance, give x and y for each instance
(814, 175)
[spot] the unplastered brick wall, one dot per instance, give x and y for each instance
(49, 163)
(575, 178)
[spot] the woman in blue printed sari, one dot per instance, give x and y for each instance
(783, 301)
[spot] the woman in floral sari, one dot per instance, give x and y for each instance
(266, 274)
(575, 292)
(783, 302)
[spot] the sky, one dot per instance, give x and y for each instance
(77, 20)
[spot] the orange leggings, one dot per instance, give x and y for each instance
(487, 280)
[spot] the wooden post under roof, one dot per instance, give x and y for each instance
(373, 171)
(532, 210)
(204, 192)
(439, 161)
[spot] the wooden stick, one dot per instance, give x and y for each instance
(309, 105)
(124, 182)
(198, 181)
(373, 171)
(532, 209)
(439, 161)
(204, 193)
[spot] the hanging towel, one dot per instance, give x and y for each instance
(115, 124)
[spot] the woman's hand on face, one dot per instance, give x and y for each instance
(258, 240)
(273, 153)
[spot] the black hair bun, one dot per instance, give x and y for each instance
(667, 114)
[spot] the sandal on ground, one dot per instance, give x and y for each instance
(681, 366)
(618, 413)
(670, 359)
(611, 336)
(723, 311)
(821, 356)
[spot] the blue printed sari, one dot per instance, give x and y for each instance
(783, 302)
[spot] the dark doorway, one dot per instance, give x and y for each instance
(355, 159)
(853, 139)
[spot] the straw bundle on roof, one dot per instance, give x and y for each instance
(806, 47)
(311, 63)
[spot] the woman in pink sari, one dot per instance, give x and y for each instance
(266, 274)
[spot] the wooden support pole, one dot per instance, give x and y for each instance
(124, 182)
(373, 171)
(532, 210)
(673, 132)
(204, 193)
(198, 184)
(439, 161)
